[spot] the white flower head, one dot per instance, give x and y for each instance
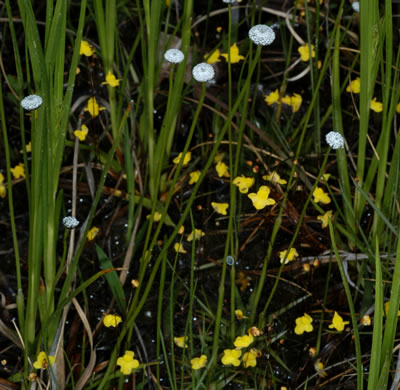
(31, 102)
(70, 222)
(356, 6)
(203, 72)
(335, 140)
(262, 35)
(228, 1)
(174, 56)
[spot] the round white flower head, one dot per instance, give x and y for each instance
(335, 140)
(262, 35)
(31, 102)
(356, 6)
(203, 72)
(70, 222)
(174, 56)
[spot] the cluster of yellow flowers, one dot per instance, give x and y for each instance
(304, 323)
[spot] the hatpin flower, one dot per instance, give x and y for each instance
(70, 222)
(335, 140)
(356, 6)
(203, 72)
(174, 56)
(31, 102)
(262, 35)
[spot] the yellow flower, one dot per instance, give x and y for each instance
(220, 208)
(303, 324)
(398, 108)
(127, 362)
(186, 159)
(293, 101)
(28, 148)
(243, 341)
(92, 233)
(181, 341)
(321, 196)
(213, 58)
(261, 198)
(218, 157)
(219, 29)
(135, 283)
(86, 49)
(365, 320)
(179, 248)
(235, 56)
(305, 52)
(222, 169)
(324, 218)
(272, 98)
(42, 361)
(319, 367)
(82, 133)
(194, 176)
(255, 331)
(243, 183)
(199, 362)
(337, 322)
(156, 217)
(376, 106)
(250, 358)
(111, 80)
(18, 171)
(290, 257)
(239, 314)
(326, 176)
(386, 308)
(274, 178)
(3, 190)
(93, 107)
(231, 356)
(196, 234)
(181, 230)
(111, 320)
(354, 86)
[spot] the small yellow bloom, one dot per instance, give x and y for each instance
(398, 108)
(218, 157)
(135, 283)
(325, 218)
(365, 320)
(235, 56)
(194, 177)
(3, 190)
(214, 57)
(111, 320)
(242, 280)
(196, 234)
(42, 361)
(82, 133)
(319, 367)
(219, 29)
(222, 169)
(305, 52)
(376, 106)
(239, 314)
(186, 159)
(296, 102)
(290, 257)
(272, 98)
(250, 358)
(386, 309)
(338, 323)
(179, 248)
(303, 324)
(111, 80)
(354, 86)
(255, 331)
(326, 176)
(92, 233)
(93, 108)
(181, 230)
(220, 208)
(18, 171)
(321, 196)
(127, 362)
(261, 198)
(199, 362)
(181, 341)
(243, 341)
(156, 217)
(274, 178)
(28, 148)
(231, 356)
(86, 49)
(243, 183)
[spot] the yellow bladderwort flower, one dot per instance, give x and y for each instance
(290, 257)
(325, 218)
(239, 314)
(199, 362)
(156, 217)
(214, 57)
(181, 341)
(305, 52)
(243, 341)
(3, 191)
(93, 108)
(272, 98)
(111, 80)
(338, 323)
(243, 183)
(82, 133)
(376, 106)
(18, 171)
(194, 177)
(365, 320)
(179, 248)
(293, 101)
(92, 233)
(28, 148)
(42, 361)
(186, 159)
(231, 356)
(386, 309)
(249, 359)
(235, 56)
(303, 324)
(86, 49)
(354, 86)
(319, 367)
(321, 196)
(274, 178)
(261, 198)
(111, 320)
(222, 169)
(196, 234)
(127, 362)
(220, 208)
